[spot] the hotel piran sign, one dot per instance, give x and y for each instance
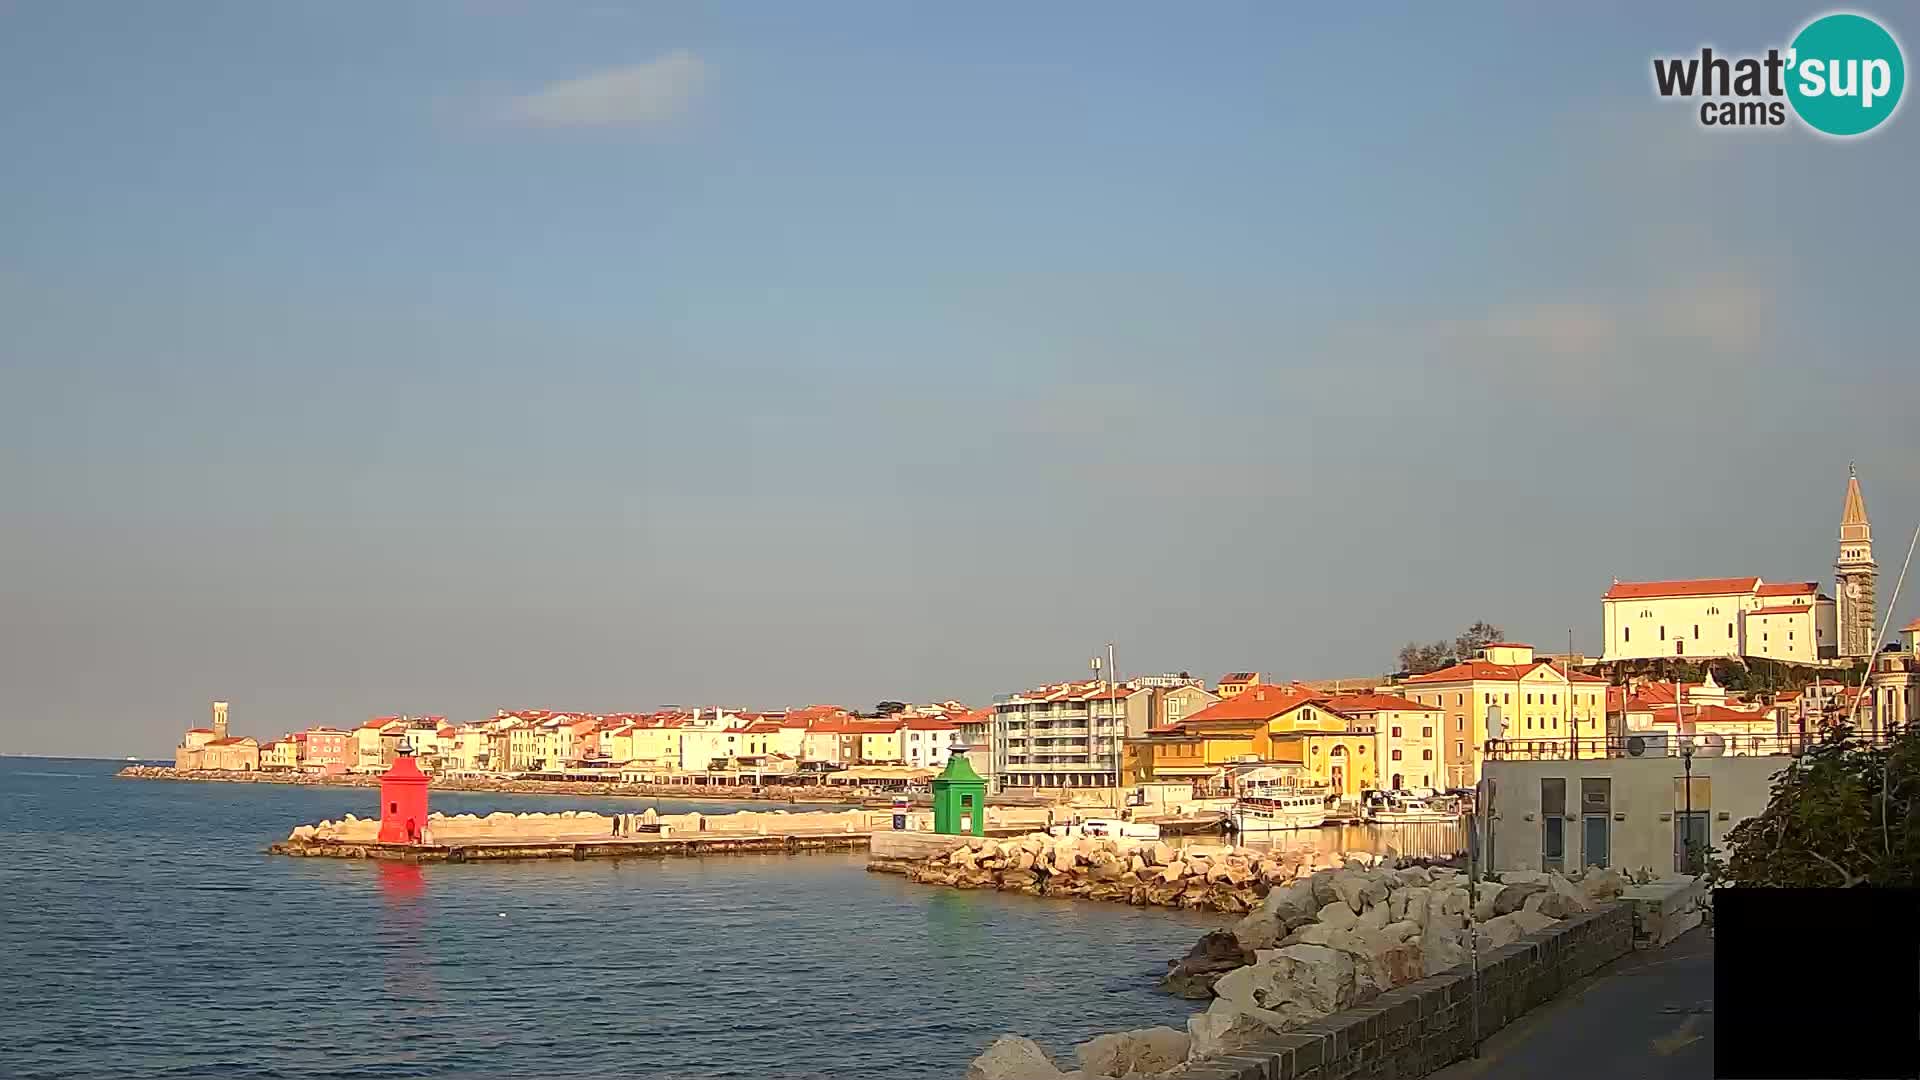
(1841, 76)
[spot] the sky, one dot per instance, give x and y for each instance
(439, 357)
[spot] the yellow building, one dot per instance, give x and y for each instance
(280, 754)
(1406, 737)
(1538, 704)
(1263, 725)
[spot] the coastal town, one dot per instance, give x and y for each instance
(1733, 666)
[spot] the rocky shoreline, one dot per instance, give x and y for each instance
(1313, 941)
(835, 795)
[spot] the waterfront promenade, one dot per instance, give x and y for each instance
(1648, 1014)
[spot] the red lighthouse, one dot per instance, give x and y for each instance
(403, 800)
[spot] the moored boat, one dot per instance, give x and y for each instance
(1264, 807)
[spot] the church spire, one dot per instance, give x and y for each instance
(1855, 574)
(1854, 514)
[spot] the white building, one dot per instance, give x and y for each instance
(1718, 618)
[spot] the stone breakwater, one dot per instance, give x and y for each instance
(577, 825)
(781, 794)
(1144, 873)
(1321, 944)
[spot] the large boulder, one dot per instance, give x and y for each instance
(1373, 918)
(1322, 884)
(1488, 891)
(1514, 897)
(1292, 985)
(1500, 930)
(1012, 1057)
(1259, 930)
(1220, 1029)
(1404, 930)
(1531, 922)
(1338, 915)
(1133, 1053)
(1551, 904)
(1442, 949)
(1575, 896)
(1292, 901)
(1601, 886)
(1410, 903)
(1216, 953)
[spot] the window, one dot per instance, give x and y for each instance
(1696, 631)
(1529, 699)
(1506, 699)
(1459, 699)
(1426, 732)
(1459, 723)
(1663, 633)
(1396, 731)
(1529, 723)
(1459, 748)
(1556, 699)
(1426, 755)
(1626, 633)
(1396, 755)
(1729, 629)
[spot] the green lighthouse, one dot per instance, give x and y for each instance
(959, 798)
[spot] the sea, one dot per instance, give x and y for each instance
(146, 932)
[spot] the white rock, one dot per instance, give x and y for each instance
(1500, 930)
(1531, 922)
(1338, 915)
(1133, 1053)
(1293, 984)
(1442, 949)
(1400, 931)
(1291, 901)
(1220, 1029)
(1012, 1057)
(1259, 930)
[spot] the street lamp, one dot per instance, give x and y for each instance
(1686, 835)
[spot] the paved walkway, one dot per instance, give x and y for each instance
(1647, 1015)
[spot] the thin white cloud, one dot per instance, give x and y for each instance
(640, 95)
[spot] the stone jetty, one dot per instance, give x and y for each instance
(584, 834)
(1312, 945)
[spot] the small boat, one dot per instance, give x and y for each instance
(1399, 808)
(1265, 807)
(1108, 827)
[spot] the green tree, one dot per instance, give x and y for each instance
(1841, 816)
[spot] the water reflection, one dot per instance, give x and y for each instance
(1434, 840)
(403, 923)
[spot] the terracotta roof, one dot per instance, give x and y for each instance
(199, 731)
(1375, 703)
(1781, 609)
(1258, 703)
(1914, 625)
(1239, 676)
(1648, 590)
(1711, 714)
(1507, 645)
(930, 723)
(233, 740)
(1790, 588)
(1492, 672)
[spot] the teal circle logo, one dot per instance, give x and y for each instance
(1845, 74)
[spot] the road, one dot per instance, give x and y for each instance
(1647, 1015)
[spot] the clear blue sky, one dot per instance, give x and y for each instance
(431, 357)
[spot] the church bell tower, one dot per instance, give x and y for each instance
(1854, 574)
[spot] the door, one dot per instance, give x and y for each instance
(1553, 843)
(1399, 782)
(1593, 848)
(1339, 774)
(1689, 841)
(1679, 647)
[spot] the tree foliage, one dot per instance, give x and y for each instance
(1842, 816)
(888, 708)
(1418, 659)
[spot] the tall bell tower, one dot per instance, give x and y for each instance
(1854, 573)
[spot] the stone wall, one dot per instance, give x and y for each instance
(585, 825)
(1416, 1029)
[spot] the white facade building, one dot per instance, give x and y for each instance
(1718, 618)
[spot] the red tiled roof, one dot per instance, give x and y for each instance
(1710, 714)
(1375, 703)
(1257, 703)
(1790, 588)
(1649, 590)
(1492, 672)
(1782, 609)
(199, 731)
(232, 740)
(930, 723)
(1914, 625)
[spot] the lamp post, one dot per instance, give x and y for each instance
(1686, 835)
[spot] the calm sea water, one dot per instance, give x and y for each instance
(144, 932)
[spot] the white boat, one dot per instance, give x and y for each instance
(1398, 809)
(1273, 808)
(1108, 827)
